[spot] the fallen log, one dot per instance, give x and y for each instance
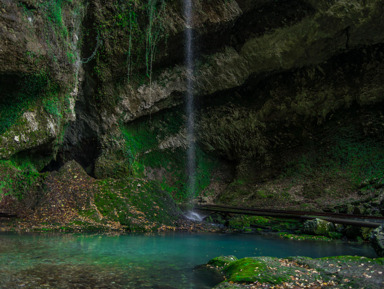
(343, 219)
(291, 212)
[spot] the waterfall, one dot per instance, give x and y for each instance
(191, 149)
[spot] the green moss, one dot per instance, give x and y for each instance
(17, 180)
(355, 259)
(53, 106)
(303, 237)
(53, 13)
(137, 205)
(255, 270)
(131, 33)
(144, 139)
(18, 96)
(245, 222)
(71, 57)
(239, 222)
(347, 154)
(222, 261)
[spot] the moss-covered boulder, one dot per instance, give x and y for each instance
(254, 270)
(319, 227)
(260, 270)
(222, 261)
(377, 240)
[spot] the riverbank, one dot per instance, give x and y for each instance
(299, 272)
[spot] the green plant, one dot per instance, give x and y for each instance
(17, 179)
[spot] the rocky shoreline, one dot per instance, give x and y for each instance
(299, 272)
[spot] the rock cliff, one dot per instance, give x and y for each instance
(289, 97)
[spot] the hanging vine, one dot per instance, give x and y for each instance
(150, 35)
(154, 31)
(133, 30)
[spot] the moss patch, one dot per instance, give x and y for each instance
(17, 180)
(303, 237)
(264, 270)
(222, 261)
(156, 147)
(138, 205)
(71, 201)
(252, 270)
(245, 223)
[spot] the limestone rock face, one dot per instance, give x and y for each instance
(39, 65)
(328, 30)
(103, 82)
(238, 42)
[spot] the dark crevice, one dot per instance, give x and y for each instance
(81, 141)
(347, 35)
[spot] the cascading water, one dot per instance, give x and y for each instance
(191, 150)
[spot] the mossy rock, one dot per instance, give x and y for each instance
(222, 261)
(111, 167)
(304, 237)
(239, 223)
(245, 222)
(138, 205)
(377, 239)
(319, 227)
(17, 180)
(255, 270)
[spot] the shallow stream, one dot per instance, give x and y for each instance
(137, 261)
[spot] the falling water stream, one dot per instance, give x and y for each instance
(191, 150)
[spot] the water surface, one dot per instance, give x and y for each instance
(139, 261)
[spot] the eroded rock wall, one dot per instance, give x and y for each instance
(276, 82)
